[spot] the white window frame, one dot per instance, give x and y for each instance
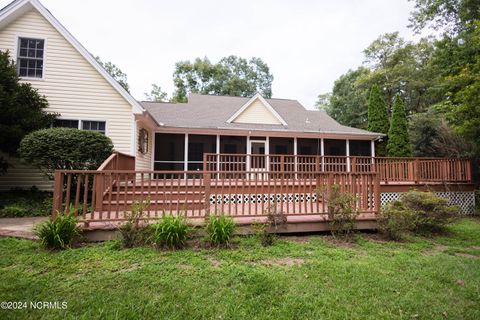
(80, 123)
(16, 52)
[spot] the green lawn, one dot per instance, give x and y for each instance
(299, 278)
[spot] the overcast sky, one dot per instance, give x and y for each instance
(307, 44)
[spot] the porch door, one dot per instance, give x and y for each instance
(258, 159)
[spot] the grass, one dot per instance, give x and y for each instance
(310, 278)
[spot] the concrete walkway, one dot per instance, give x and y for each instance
(20, 227)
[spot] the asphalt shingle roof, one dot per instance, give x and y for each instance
(212, 112)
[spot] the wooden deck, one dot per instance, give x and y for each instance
(104, 196)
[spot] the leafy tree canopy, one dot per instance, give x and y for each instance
(23, 109)
(232, 76)
(156, 94)
(115, 72)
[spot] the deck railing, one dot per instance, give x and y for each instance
(107, 195)
(413, 170)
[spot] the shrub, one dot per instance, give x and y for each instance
(58, 233)
(432, 213)
(396, 220)
(133, 233)
(220, 229)
(25, 203)
(171, 231)
(64, 148)
(417, 212)
(341, 213)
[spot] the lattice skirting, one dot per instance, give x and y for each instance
(265, 198)
(464, 199)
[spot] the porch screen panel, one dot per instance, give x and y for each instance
(335, 147)
(281, 145)
(233, 145)
(360, 148)
(197, 146)
(308, 147)
(169, 151)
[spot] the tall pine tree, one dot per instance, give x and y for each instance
(378, 117)
(398, 142)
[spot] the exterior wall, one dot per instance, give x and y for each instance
(23, 177)
(73, 88)
(144, 161)
(257, 113)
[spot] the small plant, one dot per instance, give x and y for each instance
(432, 213)
(171, 231)
(58, 232)
(341, 213)
(220, 229)
(262, 233)
(275, 217)
(133, 233)
(396, 220)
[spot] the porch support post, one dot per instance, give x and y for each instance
(267, 152)
(348, 154)
(322, 153)
(185, 156)
(217, 149)
(372, 150)
(249, 152)
(295, 152)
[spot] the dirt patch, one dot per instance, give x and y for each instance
(466, 255)
(133, 267)
(436, 250)
(299, 239)
(215, 263)
(282, 262)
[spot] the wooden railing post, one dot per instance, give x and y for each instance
(99, 190)
(353, 163)
(376, 194)
(57, 193)
(416, 171)
(468, 167)
(207, 185)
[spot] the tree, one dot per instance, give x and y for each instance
(65, 148)
(432, 137)
(398, 141)
(348, 102)
(156, 94)
(115, 72)
(450, 16)
(232, 76)
(22, 109)
(378, 117)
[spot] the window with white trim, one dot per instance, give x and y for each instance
(30, 57)
(65, 123)
(98, 126)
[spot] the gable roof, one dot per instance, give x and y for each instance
(213, 112)
(17, 8)
(248, 105)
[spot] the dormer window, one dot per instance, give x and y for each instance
(30, 57)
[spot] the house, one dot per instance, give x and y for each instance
(171, 136)
(236, 155)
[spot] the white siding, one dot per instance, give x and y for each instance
(23, 177)
(257, 113)
(144, 161)
(72, 86)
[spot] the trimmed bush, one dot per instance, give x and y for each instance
(396, 220)
(58, 233)
(171, 232)
(65, 148)
(432, 213)
(220, 229)
(416, 212)
(341, 213)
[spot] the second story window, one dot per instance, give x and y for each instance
(30, 57)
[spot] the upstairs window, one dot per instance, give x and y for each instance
(30, 57)
(98, 126)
